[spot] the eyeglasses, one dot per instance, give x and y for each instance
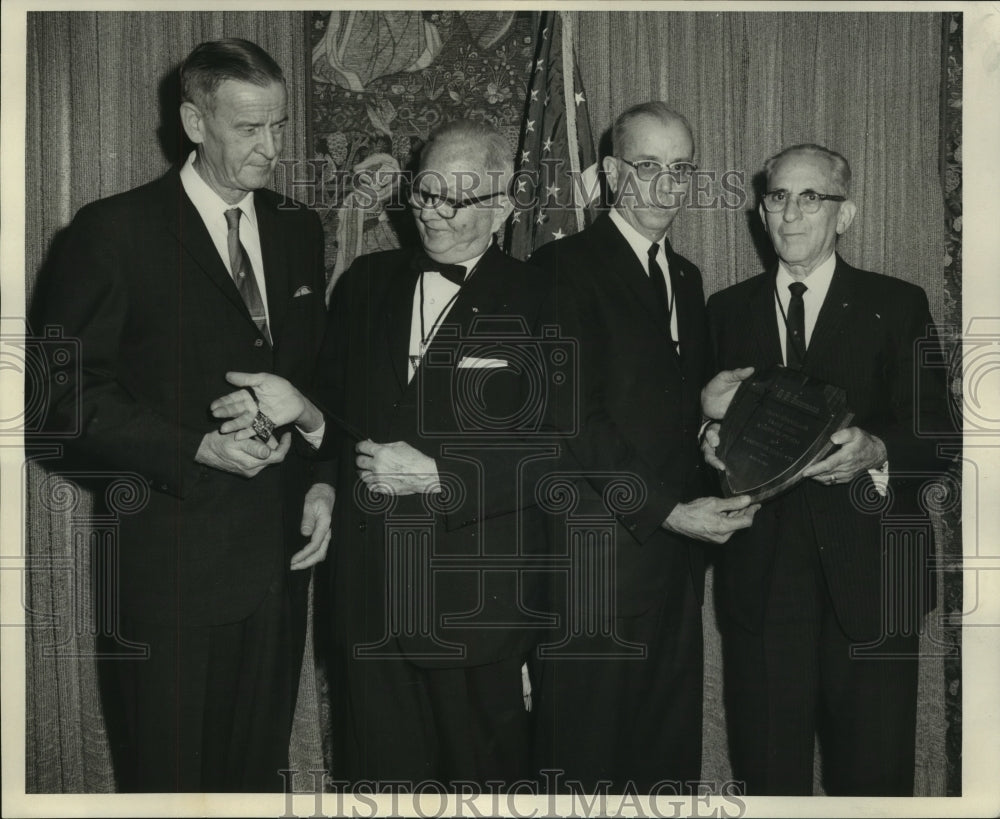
(808, 201)
(649, 169)
(445, 206)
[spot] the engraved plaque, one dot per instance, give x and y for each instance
(778, 423)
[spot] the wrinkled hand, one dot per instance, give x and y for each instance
(859, 451)
(277, 398)
(711, 519)
(241, 457)
(396, 469)
(709, 443)
(717, 393)
(317, 514)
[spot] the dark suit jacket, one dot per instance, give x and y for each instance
(865, 341)
(640, 410)
(139, 283)
(469, 597)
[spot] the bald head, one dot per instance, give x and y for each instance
(655, 110)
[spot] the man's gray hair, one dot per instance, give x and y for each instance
(840, 169)
(213, 62)
(654, 108)
(498, 155)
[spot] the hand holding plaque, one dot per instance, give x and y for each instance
(777, 425)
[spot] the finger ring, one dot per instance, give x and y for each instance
(262, 426)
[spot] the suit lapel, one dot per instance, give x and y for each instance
(275, 253)
(184, 222)
(620, 261)
(398, 314)
(764, 320)
(837, 308)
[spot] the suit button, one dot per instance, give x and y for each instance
(362, 526)
(259, 342)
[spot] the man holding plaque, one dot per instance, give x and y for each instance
(627, 710)
(821, 604)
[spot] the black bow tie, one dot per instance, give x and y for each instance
(423, 263)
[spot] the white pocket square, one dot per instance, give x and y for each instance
(305, 290)
(471, 362)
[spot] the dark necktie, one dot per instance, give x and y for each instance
(423, 263)
(795, 330)
(660, 286)
(246, 281)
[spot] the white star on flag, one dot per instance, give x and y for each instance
(525, 155)
(521, 185)
(547, 145)
(534, 95)
(539, 65)
(530, 127)
(515, 217)
(540, 219)
(545, 33)
(579, 97)
(559, 234)
(552, 190)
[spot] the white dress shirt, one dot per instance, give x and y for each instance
(439, 296)
(212, 209)
(640, 246)
(817, 285)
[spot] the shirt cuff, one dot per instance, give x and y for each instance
(880, 477)
(314, 438)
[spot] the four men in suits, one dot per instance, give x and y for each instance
(434, 383)
(438, 574)
(167, 287)
(823, 596)
(629, 713)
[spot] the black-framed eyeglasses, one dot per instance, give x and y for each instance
(808, 201)
(649, 169)
(445, 206)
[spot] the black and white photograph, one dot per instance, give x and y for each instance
(580, 409)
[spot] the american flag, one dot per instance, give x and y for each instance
(556, 182)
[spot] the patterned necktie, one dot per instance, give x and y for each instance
(246, 281)
(660, 286)
(795, 330)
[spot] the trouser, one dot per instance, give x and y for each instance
(632, 722)
(797, 678)
(400, 724)
(210, 708)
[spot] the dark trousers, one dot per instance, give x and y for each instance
(399, 724)
(797, 678)
(632, 722)
(210, 709)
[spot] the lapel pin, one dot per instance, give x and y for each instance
(475, 309)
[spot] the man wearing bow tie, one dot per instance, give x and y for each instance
(823, 597)
(167, 287)
(637, 309)
(434, 407)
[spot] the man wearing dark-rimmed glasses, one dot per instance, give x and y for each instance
(822, 599)
(429, 398)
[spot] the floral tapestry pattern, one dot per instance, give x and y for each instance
(381, 82)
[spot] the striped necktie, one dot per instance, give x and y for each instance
(246, 281)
